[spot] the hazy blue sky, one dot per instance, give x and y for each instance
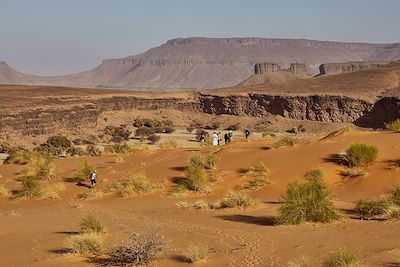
(63, 36)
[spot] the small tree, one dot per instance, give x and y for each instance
(153, 138)
(144, 132)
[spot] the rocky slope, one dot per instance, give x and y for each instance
(195, 63)
(335, 68)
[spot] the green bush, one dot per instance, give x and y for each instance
(342, 258)
(30, 188)
(210, 163)
(83, 172)
(361, 155)
(310, 201)
(89, 243)
(393, 125)
(91, 224)
(59, 141)
(284, 141)
(367, 209)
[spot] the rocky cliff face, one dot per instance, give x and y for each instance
(313, 108)
(335, 68)
(196, 63)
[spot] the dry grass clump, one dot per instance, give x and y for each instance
(210, 162)
(394, 165)
(83, 172)
(92, 193)
(258, 177)
(41, 168)
(361, 155)
(342, 258)
(199, 204)
(303, 262)
(21, 157)
(87, 244)
(33, 188)
(119, 160)
(168, 144)
(91, 224)
(4, 192)
(284, 142)
(136, 184)
(197, 253)
(139, 147)
(195, 178)
(138, 249)
(393, 125)
(354, 172)
(310, 201)
(236, 200)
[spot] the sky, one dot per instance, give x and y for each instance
(54, 37)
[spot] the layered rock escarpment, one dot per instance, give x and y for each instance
(335, 68)
(197, 63)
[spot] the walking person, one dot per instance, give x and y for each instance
(215, 139)
(92, 178)
(246, 134)
(226, 138)
(219, 137)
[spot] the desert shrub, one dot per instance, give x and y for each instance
(284, 141)
(200, 204)
(210, 162)
(139, 147)
(197, 160)
(394, 195)
(118, 148)
(75, 151)
(83, 172)
(21, 157)
(91, 224)
(93, 151)
(233, 127)
(367, 209)
(393, 125)
(118, 160)
(195, 179)
(144, 132)
(189, 129)
(392, 211)
(41, 167)
(50, 190)
(89, 243)
(310, 201)
(92, 193)
(258, 169)
(5, 148)
(394, 165)
(169, 130)
(342, 258)
(361, 155)
(168, 144)
(301, 128)
(118, 134)
(255, 183)
(137, 184)
(236, 200)
(213, 126)
(197, 253)
(4, 192)
(30, 188)
(183, 204)
(199, 132)
(59, 141)
(138, 249)
(154, 138)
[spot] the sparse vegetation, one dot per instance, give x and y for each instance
(310, 201)
(118, 134)
(40, 167)
(4, 192)
(91, 224)
(200, 132)
(92, 193)
(256, 183)
(393, 125)
(394, 165)
(57, 146)
(118, 148)
(236, 200)
(367, 209)
(136, 184)
(342, 131)
(83, 172)
(195, 178)
(210, 162)
(21, 156)
(361, 155)
(168, 144)
(258, 177)
(138, 250)
(284, 142)
(197, 253)
(93, 151)
(342, 258)
(354, 172)
(33, 188)
(87, 244)
(153, 138)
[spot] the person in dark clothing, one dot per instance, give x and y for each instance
(226, 138)
(246, 133)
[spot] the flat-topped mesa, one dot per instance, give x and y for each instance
(264, 68)
(335, 68)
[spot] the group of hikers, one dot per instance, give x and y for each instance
(216, 137)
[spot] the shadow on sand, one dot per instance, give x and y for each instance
(263, 220)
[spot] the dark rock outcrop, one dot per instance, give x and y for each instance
(335, 68)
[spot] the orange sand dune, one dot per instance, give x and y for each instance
(33, 232)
